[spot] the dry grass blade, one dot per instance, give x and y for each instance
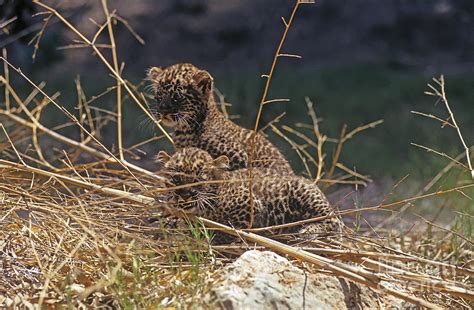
(319, 138)
(6, 79)
(440, 154)
(268, 77)
(7, 22)
(117, 69)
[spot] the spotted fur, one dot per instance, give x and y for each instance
(184, 100)
(203, 185)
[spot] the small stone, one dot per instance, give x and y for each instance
(77, 288)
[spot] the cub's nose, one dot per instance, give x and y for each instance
(186, 193)
(165, 104)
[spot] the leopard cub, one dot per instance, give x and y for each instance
(204, 187)
(184, 101)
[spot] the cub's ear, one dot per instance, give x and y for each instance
(203, 80)
(162, 157)
(153, 73)
(221, 162)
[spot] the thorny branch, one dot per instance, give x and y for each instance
(441, 93)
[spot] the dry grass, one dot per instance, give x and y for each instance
(75, 219)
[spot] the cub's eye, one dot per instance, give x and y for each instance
(176, 181)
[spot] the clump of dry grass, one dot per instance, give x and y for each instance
(76, 230)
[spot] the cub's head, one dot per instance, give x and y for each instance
(181, 93)
(187, 172)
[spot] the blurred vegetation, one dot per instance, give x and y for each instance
(359, 94)
(352, 94)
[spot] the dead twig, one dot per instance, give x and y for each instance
(441, 93)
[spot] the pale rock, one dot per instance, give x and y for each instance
(265, 280)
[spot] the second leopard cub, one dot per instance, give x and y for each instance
(184, 100)
(203, 186)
